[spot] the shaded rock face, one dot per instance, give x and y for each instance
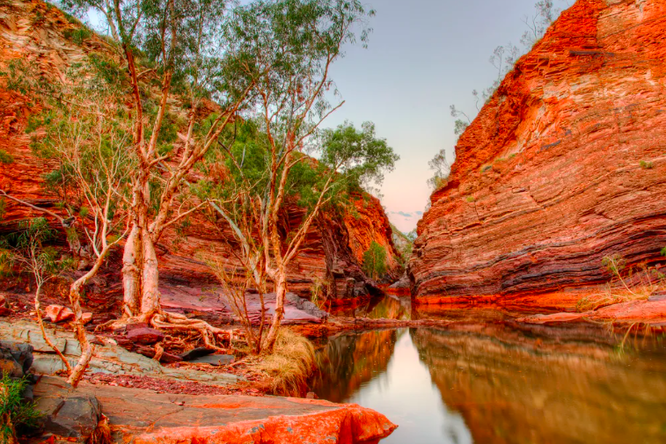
(563, 166)
(331, 255)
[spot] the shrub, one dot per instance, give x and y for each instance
(646, 165)
(5, 157)
(374, 261)
(16, 415)
(469, 199)
(77, 36)
(290, 365)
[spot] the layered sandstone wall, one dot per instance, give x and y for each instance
(565, 164)
(33, 32)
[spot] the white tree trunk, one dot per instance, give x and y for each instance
(150, 296)
(280, 293)
(132, 274)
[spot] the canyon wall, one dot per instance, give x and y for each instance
(36, 33)
(564, 165)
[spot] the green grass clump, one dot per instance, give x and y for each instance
(77, 36)
(5, 157)
(16, 415)
(646, 165)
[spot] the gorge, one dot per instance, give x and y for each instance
(531, 307)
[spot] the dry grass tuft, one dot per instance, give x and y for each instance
(635, 285)
(290, 365)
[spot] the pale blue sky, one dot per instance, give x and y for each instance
(423, 56)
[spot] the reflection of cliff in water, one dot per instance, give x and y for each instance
(348, 361)
(541, 391)
(384, 307)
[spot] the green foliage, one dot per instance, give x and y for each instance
(106, 71)
(374, 261)
(359, 157)
(78, 36)
(663, 251)
(5, 157)
(21, 413)
(27, 248)
(614, 264)
(442, 169)
(3, 206)
(646, 165)
(470, 199)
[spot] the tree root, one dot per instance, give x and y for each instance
(174, 322)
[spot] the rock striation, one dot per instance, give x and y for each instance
(37, 33)
(565, 164)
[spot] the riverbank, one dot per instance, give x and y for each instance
(137, 399)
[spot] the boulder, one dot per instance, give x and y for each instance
(15, 358)
(305, 305)
(86, 318)
(58, 313)
(657, 296)
(74, 418)
(401, 284)
(145, 335)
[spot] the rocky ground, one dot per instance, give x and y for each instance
(136, 398)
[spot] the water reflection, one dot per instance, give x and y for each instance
(397, 385)
(498, 385)
(383, 307)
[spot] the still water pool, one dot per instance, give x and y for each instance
(488, 383)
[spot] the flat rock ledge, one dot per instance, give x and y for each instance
(107, 358)
(141, 417)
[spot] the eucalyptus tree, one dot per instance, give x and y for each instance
(84, 127)
(93, 148)
(348, 160)
(27, 250)
(292, 45)
(181, 77)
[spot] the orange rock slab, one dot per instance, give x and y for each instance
(348, 425)
(143, 416)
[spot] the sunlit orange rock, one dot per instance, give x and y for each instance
(144, 416)
(58, 313)
(563, 166)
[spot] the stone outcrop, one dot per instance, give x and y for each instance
(36, 33)
(142, 416)
(564, 165)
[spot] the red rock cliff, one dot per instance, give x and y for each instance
(35, 32)
(564, 165)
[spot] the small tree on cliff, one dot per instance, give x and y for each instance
(83, 128)
(374, 260)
